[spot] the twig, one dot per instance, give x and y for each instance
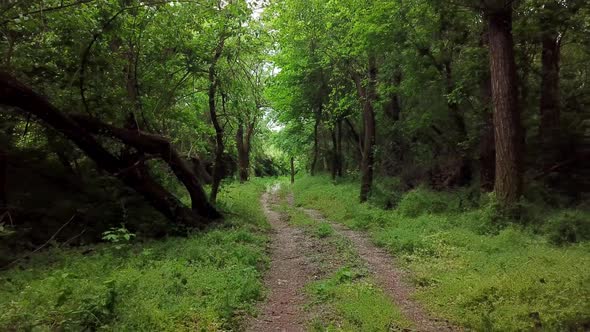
(73, 238)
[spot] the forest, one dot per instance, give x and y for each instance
(294, 165)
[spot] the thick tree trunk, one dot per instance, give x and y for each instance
(292, 170)
(549, 105)
(368, 95)
(78, 129)
(507, 123)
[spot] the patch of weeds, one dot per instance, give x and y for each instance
(323, 230)
(356, 304)
(207, 281)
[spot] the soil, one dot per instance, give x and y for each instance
(290, 270)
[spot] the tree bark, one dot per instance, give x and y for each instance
(368, 95)
(218, 168)
(507, 122)
(242, 162)
(78, 129)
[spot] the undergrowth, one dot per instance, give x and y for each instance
(467, 264)
(207, 281)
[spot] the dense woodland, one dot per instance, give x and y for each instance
(131, 121)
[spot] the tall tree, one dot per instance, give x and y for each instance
(507, 122)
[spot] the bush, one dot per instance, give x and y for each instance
(387, 192)
(324, 230)
(422, 201)
(570, 226)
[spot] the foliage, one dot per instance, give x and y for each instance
(206, 281)
(116, 235)
(485, 281)
(569, 226)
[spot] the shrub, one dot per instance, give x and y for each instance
(421, 201)
(387, 192)
(570, 226)
(324, 230)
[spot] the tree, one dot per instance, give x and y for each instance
(508, 129)
(80, 130)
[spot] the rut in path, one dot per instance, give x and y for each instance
(390, 278)
(290, 270)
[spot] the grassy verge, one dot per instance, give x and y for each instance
(506, 280)
(204, 282)
(344, 298)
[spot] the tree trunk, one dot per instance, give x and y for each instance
(243, 171)
(549, 106)
(292, 170)
(368, 95)
(507, 123)
(218, 168)
(243, 142)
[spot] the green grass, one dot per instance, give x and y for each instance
(205, 282)
(358, 304)
(466, 270)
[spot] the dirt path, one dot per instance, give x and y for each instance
(390, 278)
(290, 270)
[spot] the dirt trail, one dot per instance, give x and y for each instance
(290, 270)
(390, 278)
